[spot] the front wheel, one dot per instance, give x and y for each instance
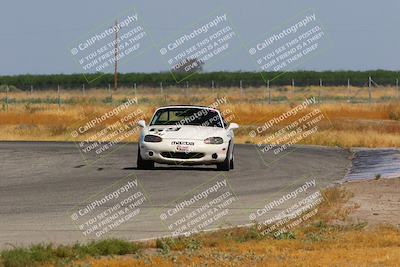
(144, 164)
(226, 164)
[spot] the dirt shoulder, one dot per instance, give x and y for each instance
(376, 202)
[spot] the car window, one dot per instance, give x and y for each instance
(187, 116)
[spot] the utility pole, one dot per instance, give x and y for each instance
(116, 56)
(369, 88)
(348, 90)
(269, 92)
(7, 89)
(58, 96)
(109, 91)
(187, 87)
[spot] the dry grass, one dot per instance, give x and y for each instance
(318, 242)
(347, 124)
(350, 248)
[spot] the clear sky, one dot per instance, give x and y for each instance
(35, 35)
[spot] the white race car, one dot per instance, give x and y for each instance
(190, 135)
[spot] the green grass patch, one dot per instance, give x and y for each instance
(165, 245)
(37, 255)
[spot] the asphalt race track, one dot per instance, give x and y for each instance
(43, 183)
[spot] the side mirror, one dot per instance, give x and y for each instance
(233, 126)
(141, 123)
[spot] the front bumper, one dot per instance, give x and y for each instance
(198, 154)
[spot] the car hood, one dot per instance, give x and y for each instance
(187, 132)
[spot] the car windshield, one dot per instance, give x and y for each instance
(187, 116)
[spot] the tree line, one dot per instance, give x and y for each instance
(203, 79)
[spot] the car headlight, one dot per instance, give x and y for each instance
(214, 140)
(152, 138)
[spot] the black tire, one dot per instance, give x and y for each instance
(144, 164)
(232, 164)
(226, 164)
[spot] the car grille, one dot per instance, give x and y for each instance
(182, 155)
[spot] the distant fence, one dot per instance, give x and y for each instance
(242, 84)
(269, 93)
